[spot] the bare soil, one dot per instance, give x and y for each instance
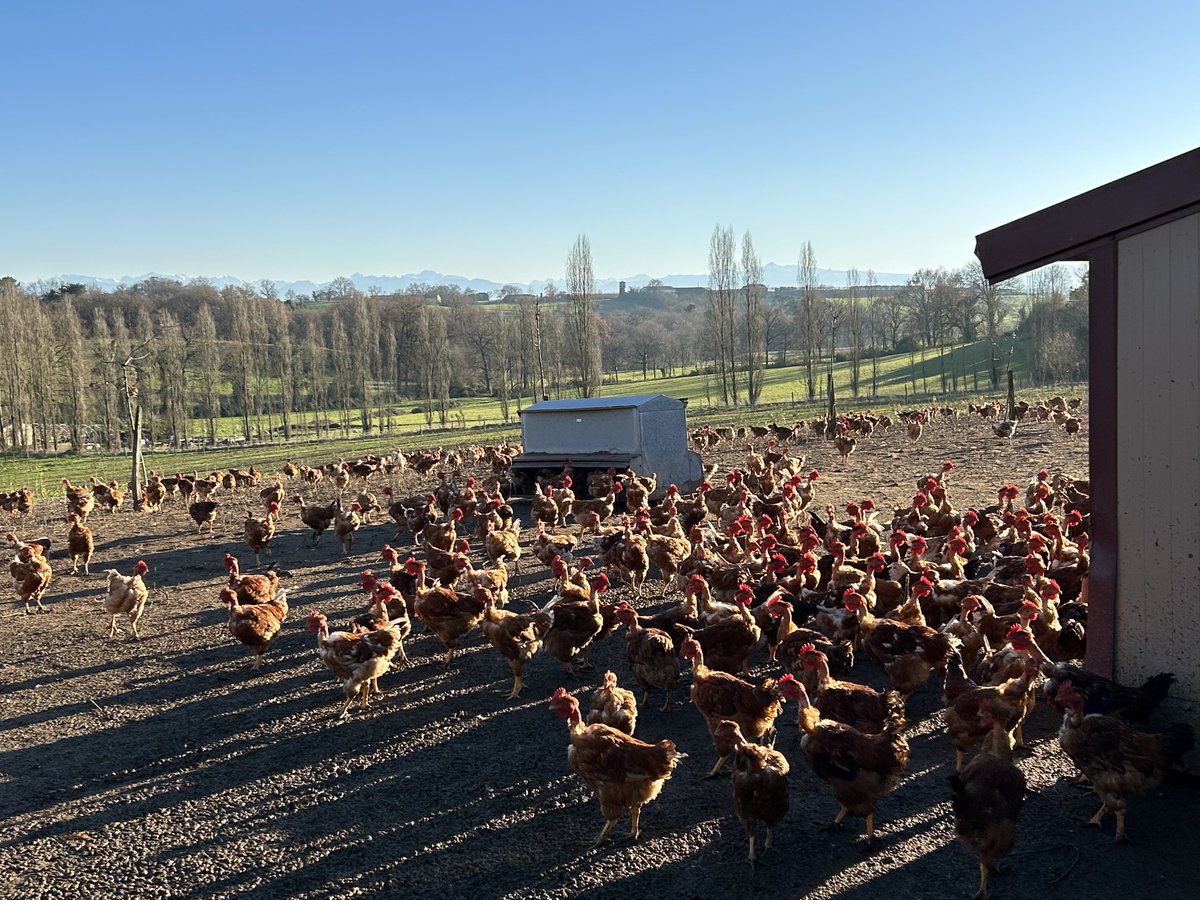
(165, 768)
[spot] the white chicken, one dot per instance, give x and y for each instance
(126, 594)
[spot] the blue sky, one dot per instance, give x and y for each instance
(309, 140)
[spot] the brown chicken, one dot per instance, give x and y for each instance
(126, 594)
(1007, 704)
(986, 798)
(357, 659)
(907, 653)
(719, 696)
(517, 638)
(494, 580)
(260, 532)
(251, 588)
(31, 575)
(255, 624)
(317, 518)
(625, 773)
(387, 610)
(204, 512)
(448, 614)
(547, 546)
(866, 709)
(345, 523)
(613, 705)
(668, 553)
(760, 783)
(577, 622)
(544, 509)
(860, 768)
(1117, 760)
(504, 545)
(651, 655)
(727, 644)
(80, 544)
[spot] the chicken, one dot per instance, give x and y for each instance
(1100, 695)
(80, 544)
(625, 773)
(613, 706)
(792, 640)
(626, 553)
(1116, 759)
(727, 644)
(79, 500)
(255, 624)
(544, 509)
(577, 621)
(866, 709)
(387, 610)
(443, 534)
(986, 798)
(651, 655)
(126, 594)
(1006, 705)
(345, 524)
(259, 532)
(599, 484)
(31, 575)
(317, 518)
(504, 545)
(907, 653)
(602, 507)
(357, 659)
(1005, 429)
(445, 612)
(860, 768)
(517, 638)
(251, 588)
(204, 512)
(547, 546)
(667, 553)
(494, 580)
(760, 783)
(719, 696)
(845, 444)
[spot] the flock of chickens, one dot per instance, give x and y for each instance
(994, 599)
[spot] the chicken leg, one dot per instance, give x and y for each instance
(983, 880)
(608, 826)
(518, 685)
(634, 815)
(717, 768)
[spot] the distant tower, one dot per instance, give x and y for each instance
(621, 289)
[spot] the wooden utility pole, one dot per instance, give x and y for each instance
(830, 430)
(537, 329)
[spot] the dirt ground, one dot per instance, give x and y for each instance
(165, 768)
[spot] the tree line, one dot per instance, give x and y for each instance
(188, 354)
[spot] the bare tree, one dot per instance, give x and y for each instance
(722, 298)
(855, 325)
(776, 332)
(752, 319)
(581, 286)
(810, 332)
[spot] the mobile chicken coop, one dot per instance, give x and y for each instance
(647, 433)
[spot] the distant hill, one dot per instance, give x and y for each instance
(774, 275)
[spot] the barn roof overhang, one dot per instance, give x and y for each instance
(1070, 230)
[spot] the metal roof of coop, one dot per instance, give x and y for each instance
(630, 402)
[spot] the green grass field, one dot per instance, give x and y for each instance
(902, 380)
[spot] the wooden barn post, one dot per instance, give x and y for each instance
(1012, 396)
(831, 431)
